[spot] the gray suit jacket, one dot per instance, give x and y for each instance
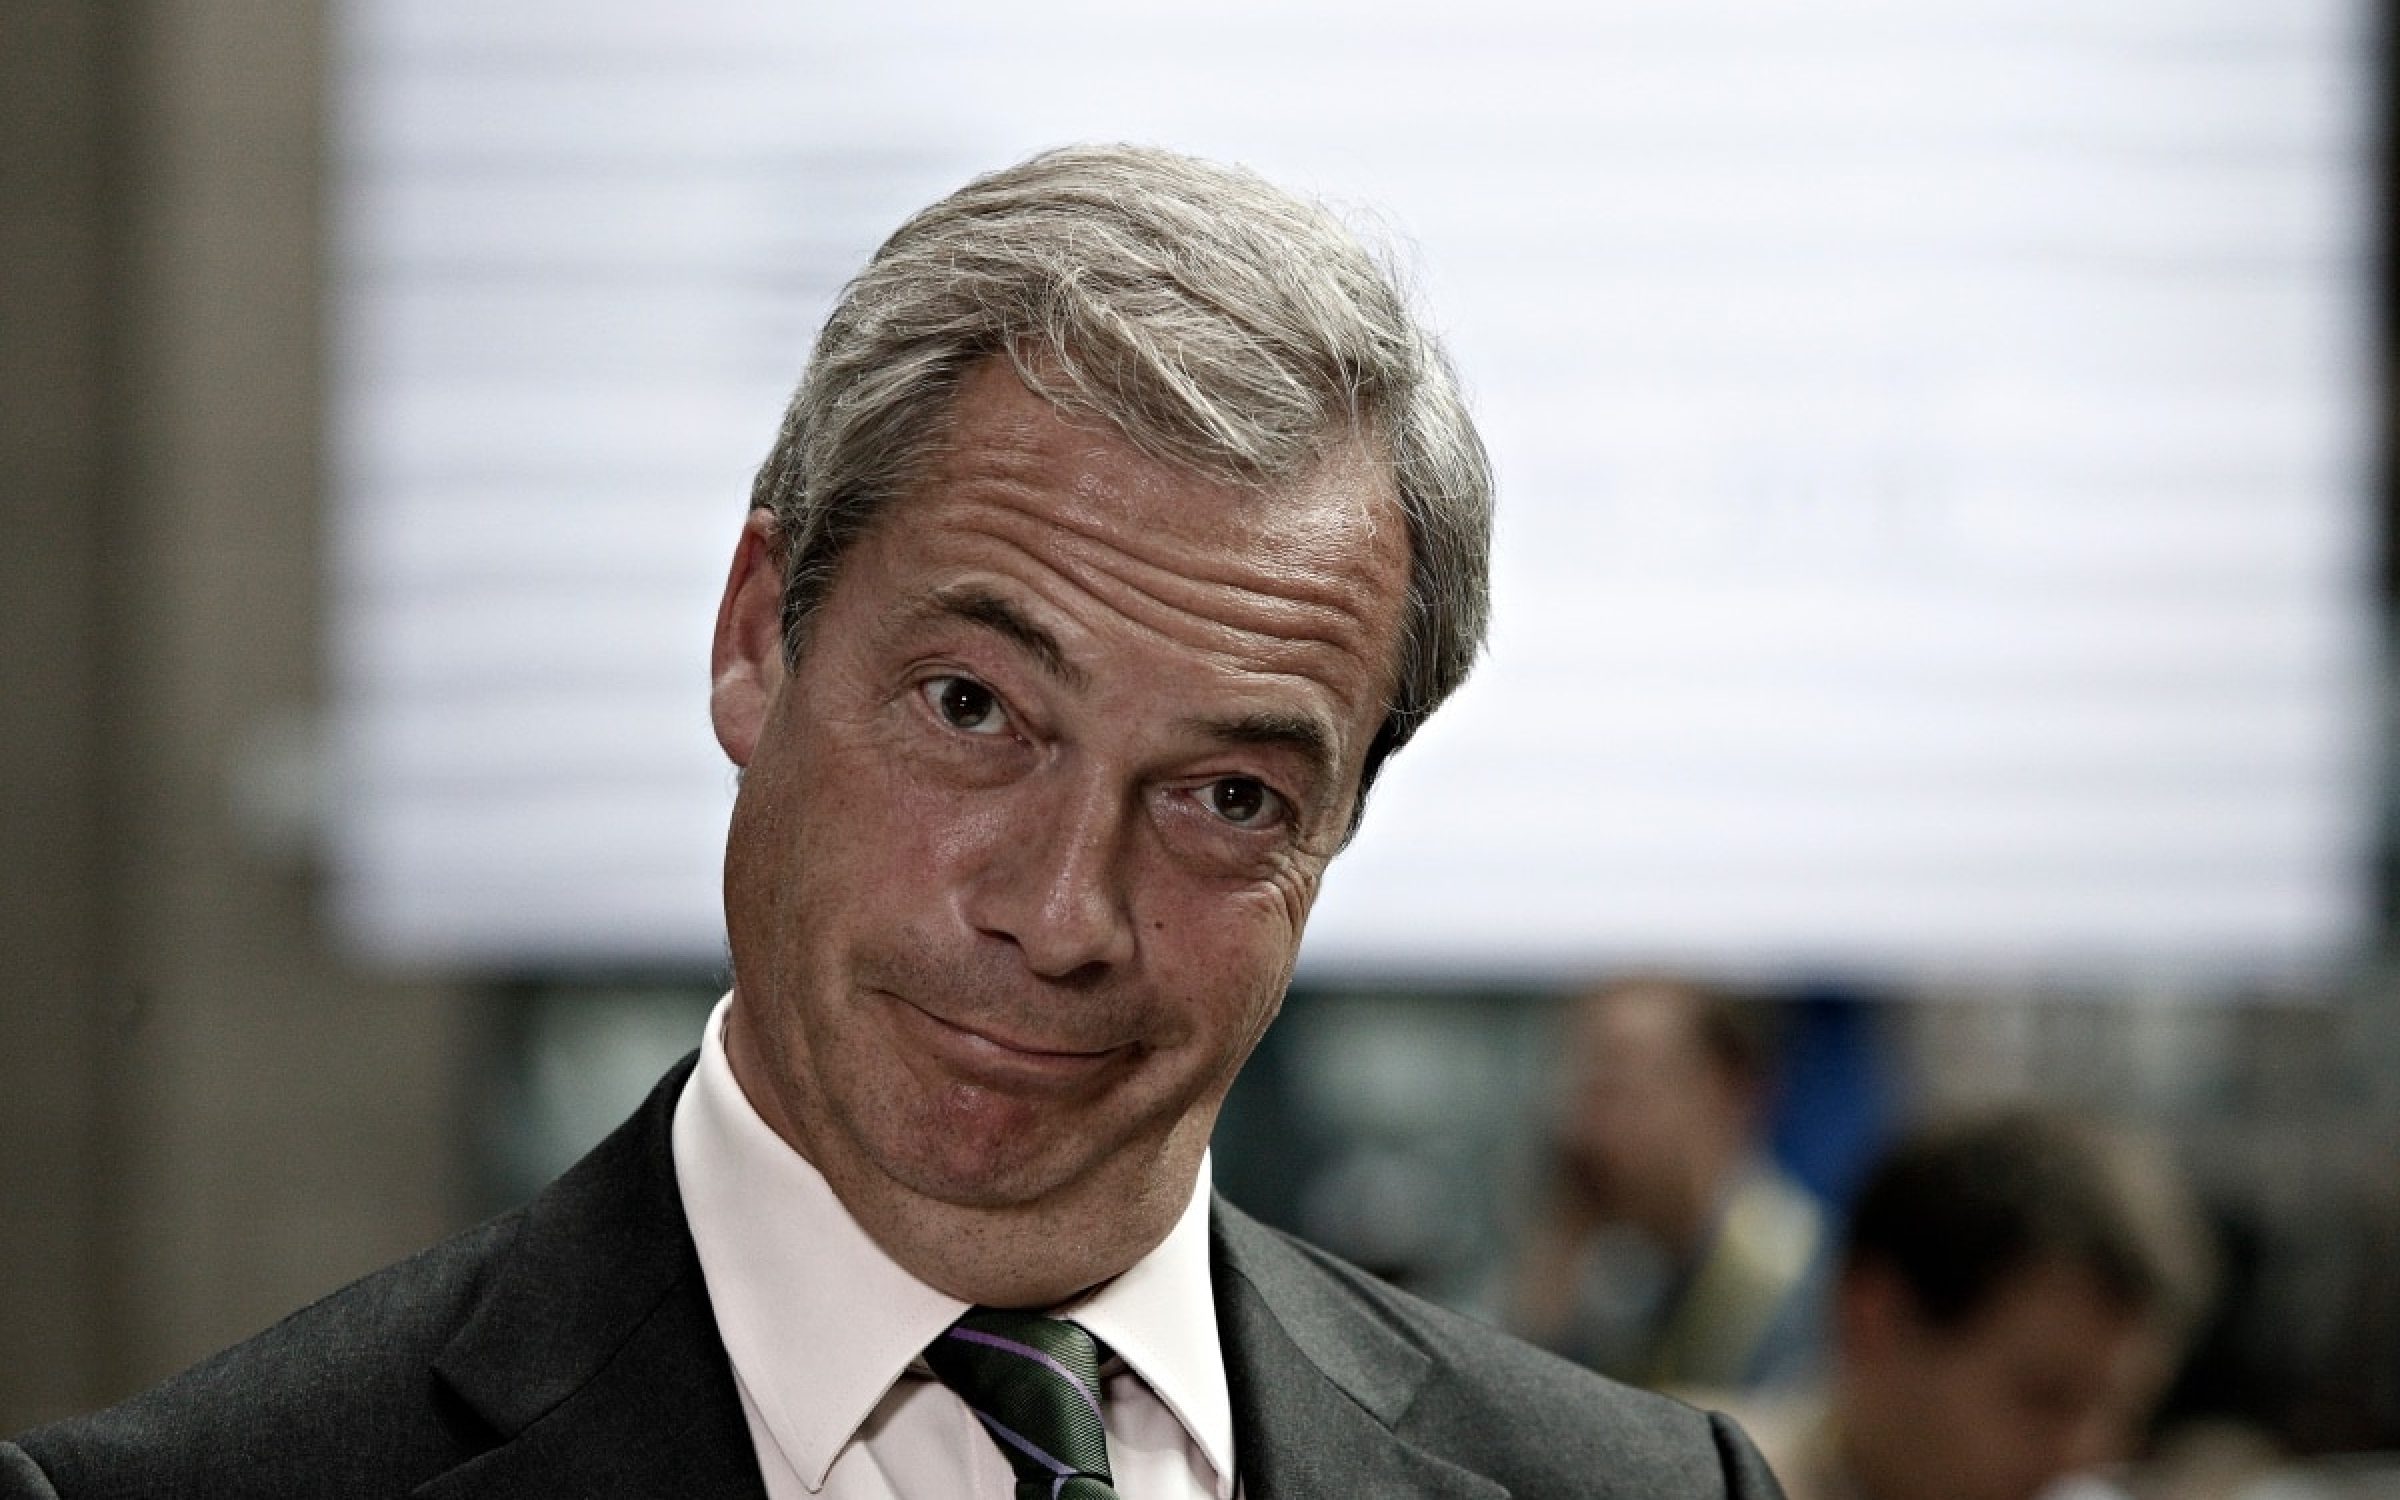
(568, 1349)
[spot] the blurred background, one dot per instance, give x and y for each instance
(1944, 592)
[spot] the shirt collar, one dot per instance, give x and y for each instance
(1160, 1316)
(819, 1322)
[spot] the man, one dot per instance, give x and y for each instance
(1123, 523)
(2015, 1287)
(1668, 1250)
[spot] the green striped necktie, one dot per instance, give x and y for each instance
(1035, 1384)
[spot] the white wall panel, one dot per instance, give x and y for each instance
(1935, 441)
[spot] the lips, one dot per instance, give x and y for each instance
(991, 1054)
(1026, 1049)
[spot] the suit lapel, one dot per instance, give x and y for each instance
(1319, 1388)
(593, 1357)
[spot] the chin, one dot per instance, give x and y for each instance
(983, 1160)
(991, 1181)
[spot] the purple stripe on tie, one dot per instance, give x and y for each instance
(1002, 1431)
(1027, 1351)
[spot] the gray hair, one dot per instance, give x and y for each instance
(1221, 325)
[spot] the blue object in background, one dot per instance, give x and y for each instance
(1839, 1091)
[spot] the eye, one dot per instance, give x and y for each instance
(1242, 801)
(965, 705)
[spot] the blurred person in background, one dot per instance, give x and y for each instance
(1124, 522)
(1668, 1250)
(2014, 1291)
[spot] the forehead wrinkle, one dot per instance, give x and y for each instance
(1155, 596)
(1321, 581)
(980, 606)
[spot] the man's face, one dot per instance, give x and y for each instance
(1026, 838)
(1650, 1118)
(2052, 1378)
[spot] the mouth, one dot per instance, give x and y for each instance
(987, 1053)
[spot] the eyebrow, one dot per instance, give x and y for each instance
(1278, 731)
(1298, 733)
(993, 613)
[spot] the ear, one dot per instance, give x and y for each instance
(745, 662)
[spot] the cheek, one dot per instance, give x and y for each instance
(827, 854)
(1233, 959)
(1257, 922)
(1222, 1043)
(1930, 1395)
(886, 824)
(1989, 1426)
(938, 831)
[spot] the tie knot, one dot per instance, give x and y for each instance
(1034, 1383)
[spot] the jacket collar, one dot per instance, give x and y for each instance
(592, 1356)
(1321, 1385)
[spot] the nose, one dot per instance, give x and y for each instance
(1053, 881)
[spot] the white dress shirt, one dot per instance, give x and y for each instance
(825, 1332)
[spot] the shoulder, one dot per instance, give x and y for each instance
(1481, 1398)
(1794, 1429)
(342, 1385)
(415, 1369)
